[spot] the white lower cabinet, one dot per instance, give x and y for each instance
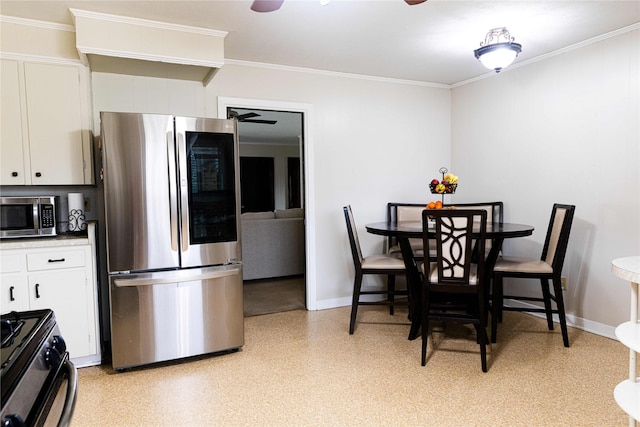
(62, 279)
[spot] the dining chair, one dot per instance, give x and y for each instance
(453, 286)
(547, 267)
(495, 213)
(391, 265)
(403, 212)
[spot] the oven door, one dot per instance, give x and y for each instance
(60, 401)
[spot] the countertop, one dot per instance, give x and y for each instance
(45, 242)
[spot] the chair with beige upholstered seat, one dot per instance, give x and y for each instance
(547, 267)
(453, 286)
(374, 264)
(495, 213)
(397, 212)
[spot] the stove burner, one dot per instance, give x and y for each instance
(10, 329)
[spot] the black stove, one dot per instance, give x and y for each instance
(37, 380)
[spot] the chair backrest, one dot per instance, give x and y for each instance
(495, 210)
(453, 241)
(557, 240)
(404, 212)
(356, 252)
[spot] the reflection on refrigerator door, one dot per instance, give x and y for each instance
(162, 316)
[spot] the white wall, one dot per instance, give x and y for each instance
(134, 94)
(563, 130)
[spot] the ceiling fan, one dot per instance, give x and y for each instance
(273, 5)
(248, 118)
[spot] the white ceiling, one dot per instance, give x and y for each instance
(432, 42)
(286, 131)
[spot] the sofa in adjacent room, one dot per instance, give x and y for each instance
(272, 244)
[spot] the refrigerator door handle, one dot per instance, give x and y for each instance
(147, 281)
(184, 189)
(173, 198)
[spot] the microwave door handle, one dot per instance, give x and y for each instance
(173, 198)
(36, 217)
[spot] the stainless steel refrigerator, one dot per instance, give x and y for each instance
(172, 214)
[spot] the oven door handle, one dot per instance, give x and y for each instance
(72, 392)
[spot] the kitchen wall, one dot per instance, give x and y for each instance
(565, 130)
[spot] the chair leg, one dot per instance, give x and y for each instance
(546, 295)
(357, 284)
(482, 340)
(482, 331)
(391, 288)
(557, 289)
(425, 324)
(496, 305)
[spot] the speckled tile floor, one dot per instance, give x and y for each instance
(303, 368)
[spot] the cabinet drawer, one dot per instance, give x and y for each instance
(55, 260)
(11, 263)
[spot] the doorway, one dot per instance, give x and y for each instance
(271, 147)
(307, 177)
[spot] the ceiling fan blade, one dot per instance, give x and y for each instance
(266, 5)
(266, 122)
(414, 2)
(242, 117)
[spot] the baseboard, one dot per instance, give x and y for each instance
(573, 321)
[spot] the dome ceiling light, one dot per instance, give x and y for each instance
(498, 49)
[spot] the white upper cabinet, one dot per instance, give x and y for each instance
(12, 167)
(47, 115)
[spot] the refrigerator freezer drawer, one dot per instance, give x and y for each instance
(163, 316)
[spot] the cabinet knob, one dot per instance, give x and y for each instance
(14, 174)
(38, 174)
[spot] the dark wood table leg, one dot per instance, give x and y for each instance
(414, 286)
(489, 264)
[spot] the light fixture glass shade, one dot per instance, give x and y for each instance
(498, 49)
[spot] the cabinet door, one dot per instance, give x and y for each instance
(14, 294)
(66, 293)
(12, 170)
(54, 109)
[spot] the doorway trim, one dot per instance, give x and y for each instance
(309, 185)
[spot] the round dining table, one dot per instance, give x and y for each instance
(405, 230)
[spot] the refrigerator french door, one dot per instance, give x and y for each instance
(172, 214)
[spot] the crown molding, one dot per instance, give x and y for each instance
(331, 73)
(36, 23)
(37, 58)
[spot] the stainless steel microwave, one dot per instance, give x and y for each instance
(27, 216)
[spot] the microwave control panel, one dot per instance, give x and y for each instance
(47, 217)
